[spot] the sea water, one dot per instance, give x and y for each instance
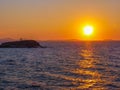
(61, 66)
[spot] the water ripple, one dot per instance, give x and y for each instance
(64, 66)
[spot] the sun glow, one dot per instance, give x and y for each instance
(88, 30)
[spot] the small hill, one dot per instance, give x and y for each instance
(21, 44)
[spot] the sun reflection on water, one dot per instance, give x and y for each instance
(87, 68)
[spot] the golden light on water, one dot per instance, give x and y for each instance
(85, 65)
(91, 77)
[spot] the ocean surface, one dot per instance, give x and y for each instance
(61, 66)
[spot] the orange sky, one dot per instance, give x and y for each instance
(59, 19)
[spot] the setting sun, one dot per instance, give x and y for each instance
(88, 30)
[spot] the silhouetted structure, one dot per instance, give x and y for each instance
(21, 44)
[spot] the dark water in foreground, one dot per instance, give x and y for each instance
(62, 66)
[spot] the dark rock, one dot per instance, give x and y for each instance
(21, 44)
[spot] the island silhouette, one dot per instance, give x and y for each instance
(21, 44)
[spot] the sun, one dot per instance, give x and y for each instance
(88, 30)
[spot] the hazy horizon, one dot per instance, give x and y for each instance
(66, 40)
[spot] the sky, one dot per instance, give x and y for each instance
(59, 19)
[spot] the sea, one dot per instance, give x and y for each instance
(63, 65)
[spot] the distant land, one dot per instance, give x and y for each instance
(2, 40)
(21, 44)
